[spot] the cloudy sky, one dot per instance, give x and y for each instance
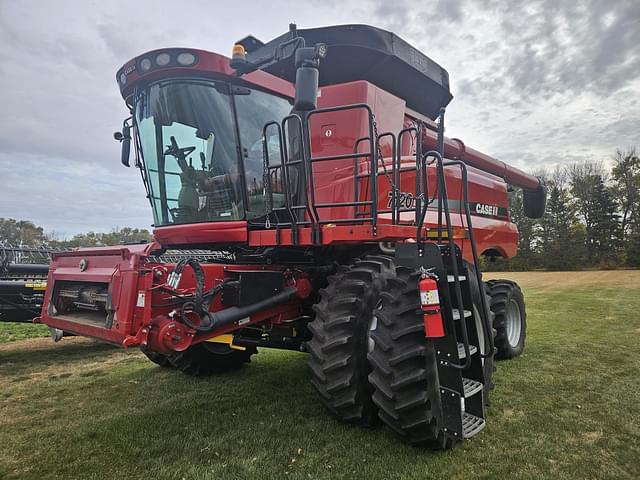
(535, 83)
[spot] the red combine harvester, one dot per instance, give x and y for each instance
(312, 203)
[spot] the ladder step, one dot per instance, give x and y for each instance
(471, 387)
(456, 313)
(450, 278)
(471, 425)
(461, 353)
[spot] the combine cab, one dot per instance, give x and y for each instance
(336, 219)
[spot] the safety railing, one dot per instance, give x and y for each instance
(365, 207)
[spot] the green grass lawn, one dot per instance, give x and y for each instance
(568, 408)
(11, 332)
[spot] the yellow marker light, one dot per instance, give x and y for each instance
(238, 52)
(459, 233)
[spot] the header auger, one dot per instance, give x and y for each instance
(338, 220)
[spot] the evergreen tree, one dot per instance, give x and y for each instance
(626, 186)
(605, 233)
(563, 238)
(626, 189)
(527, 228)
(594, 205)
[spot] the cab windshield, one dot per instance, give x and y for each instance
(196, 167)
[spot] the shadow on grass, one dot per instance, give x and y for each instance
(25, 356)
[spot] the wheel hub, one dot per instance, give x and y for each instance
(514, 323)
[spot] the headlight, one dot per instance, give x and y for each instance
(123, 79)
(163, 59)
(187, 59)
(145, 64)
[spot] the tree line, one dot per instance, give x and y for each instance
(592, 218)
(25, 233)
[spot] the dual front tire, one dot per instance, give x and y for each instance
(370, 359)
(341, 340)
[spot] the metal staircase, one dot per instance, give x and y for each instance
(460, 364)
(462, 352)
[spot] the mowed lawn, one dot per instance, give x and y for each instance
(568, 408)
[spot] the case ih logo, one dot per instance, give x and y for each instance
(484, 209)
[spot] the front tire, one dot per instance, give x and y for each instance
(507, 304)
(158, 358)
(338, 348)
(405, 372)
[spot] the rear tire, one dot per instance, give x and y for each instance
(208, 358)
(338, 348)
(507, 304)
(405, 372)
(488, 363)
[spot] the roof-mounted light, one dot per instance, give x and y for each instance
(238, 57)
(186, 59)
(163, 59)
(145, 65)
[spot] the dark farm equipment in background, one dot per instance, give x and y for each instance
(338, 218)
(23, 280)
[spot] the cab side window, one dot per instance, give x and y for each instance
(254, 109)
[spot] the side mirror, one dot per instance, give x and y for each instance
(534, 202)
(306, 89)
(124, 137)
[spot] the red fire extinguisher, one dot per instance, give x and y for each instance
(430, 304)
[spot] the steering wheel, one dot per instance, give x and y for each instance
(180, 153)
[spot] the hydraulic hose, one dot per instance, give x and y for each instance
(201, 301)
(233, 314)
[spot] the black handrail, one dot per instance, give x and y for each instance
(285, 177)
(403, 132)
(465, 200)
(356, 177)
(373, 152)
(443, 205)
(442, 195)
(440, 148)
(303, 165)
(391, 180)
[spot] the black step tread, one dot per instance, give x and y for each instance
(462, 354)
(461, 278)
(471, 425)
(456, 313)
(471, 387)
